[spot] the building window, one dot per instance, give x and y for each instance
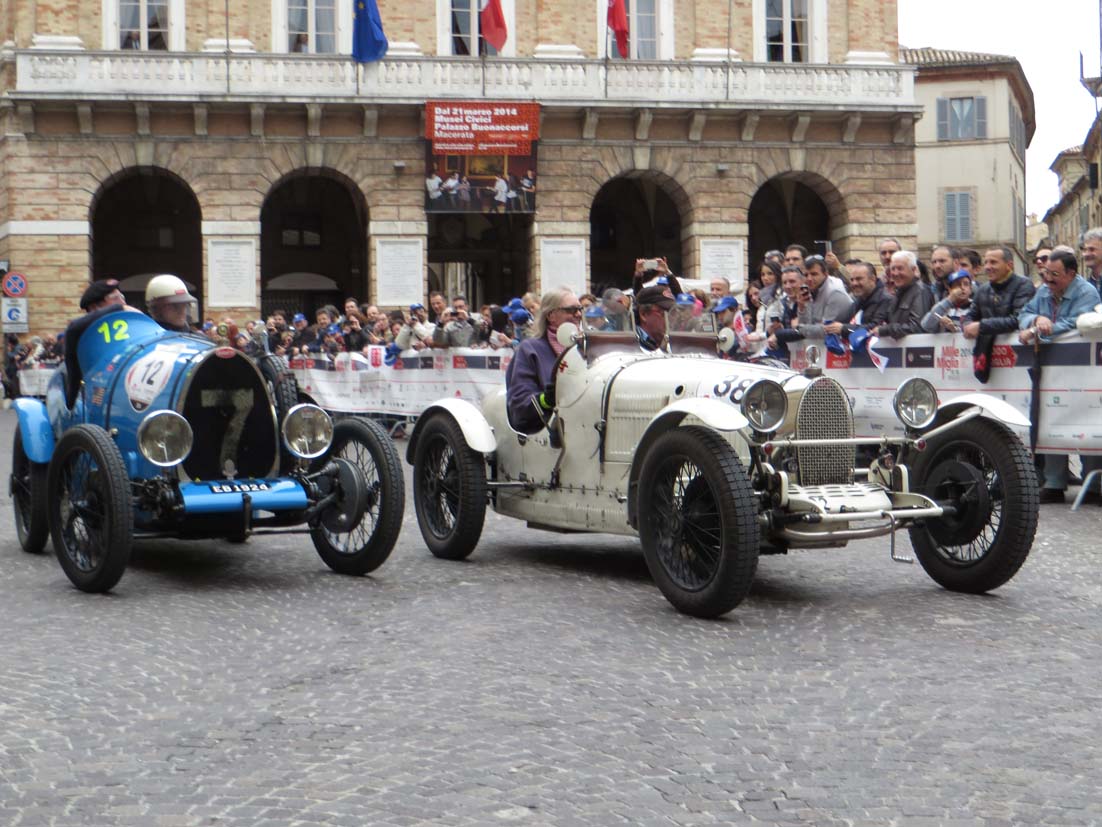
(787, 31)
(642, 31)
(466, 37)
(958, 215)
(312, 26)
(142, 25)
(961, 119)
(1017, 131)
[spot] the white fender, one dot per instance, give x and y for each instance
(476, 430)
(991, 407)
(720, 416)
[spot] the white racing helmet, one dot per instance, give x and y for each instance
(168, 289)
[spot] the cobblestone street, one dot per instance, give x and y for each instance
(546, 682)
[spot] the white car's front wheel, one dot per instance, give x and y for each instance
(698, 521)
(449, 489)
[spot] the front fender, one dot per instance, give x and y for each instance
(719, 416)
(34, 427)
(990, 407)
(476, 430)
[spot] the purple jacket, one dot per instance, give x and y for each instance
(527, 376)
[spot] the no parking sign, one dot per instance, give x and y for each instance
(14, 285)
(13, 306)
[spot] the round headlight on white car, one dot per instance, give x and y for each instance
(164, 438)
(915, 403)
(765, 405)
(307, 431)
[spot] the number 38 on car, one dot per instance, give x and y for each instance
(714, 462)
(151, 433)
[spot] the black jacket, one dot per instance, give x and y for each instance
(996, 306)
(907, 308)
(873, 309)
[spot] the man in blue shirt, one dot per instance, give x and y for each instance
(1053, 310)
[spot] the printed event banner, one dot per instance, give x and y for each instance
(481, 156)
(1071, 402)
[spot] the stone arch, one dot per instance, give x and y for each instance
(146, 219)
(637, 213)
(798, 207)
(314, 220)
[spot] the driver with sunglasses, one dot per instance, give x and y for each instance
(529, 386)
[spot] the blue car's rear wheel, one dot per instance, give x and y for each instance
(90, 512)
(28, 495)
(366, 545)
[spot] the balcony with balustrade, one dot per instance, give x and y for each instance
(64, 75)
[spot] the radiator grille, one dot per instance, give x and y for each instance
(824, 413)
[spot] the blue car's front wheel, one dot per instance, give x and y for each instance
(28, 494)
(90, 511)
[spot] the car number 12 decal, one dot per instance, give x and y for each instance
(147, 378)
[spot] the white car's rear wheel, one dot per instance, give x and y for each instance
(698, 521)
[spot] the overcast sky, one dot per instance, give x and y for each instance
(1046, 37)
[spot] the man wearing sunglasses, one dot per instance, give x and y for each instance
(1039, 262)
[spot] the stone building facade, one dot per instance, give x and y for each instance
(970, 150)
(742, 124)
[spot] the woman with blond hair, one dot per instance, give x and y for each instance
(529, 373)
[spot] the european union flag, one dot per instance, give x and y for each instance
(369, 43)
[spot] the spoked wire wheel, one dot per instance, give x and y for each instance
(367, 545)
(698, 521)
(449, 489)
(984, 472)
(90, 512)
(28, 493)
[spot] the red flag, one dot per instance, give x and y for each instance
(618, 22)
(491, 22)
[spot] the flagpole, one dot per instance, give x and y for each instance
(227, 13)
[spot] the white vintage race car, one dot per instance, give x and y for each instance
(713, 462)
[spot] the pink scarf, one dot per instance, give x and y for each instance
(554, 340)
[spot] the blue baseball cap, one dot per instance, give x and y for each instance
(520, 316)
(208, 326)
(957, 276)
(686, 299)
(594, 312)
(417, 306)
(333, 329)
(298, 317)
(662, 280)
(515, 304)
(726, 303)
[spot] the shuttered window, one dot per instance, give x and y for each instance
(961, 119)
(958, 216)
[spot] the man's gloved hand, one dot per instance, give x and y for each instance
(547, 398)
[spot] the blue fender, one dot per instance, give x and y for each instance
(34, 427)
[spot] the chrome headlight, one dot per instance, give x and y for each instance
(307, 431)
(765, 405)
(915, 403)
(164, 438)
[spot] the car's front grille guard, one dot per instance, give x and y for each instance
(824, 413)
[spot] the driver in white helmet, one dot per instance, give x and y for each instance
(169, 303)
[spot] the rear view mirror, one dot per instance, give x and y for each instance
(727, 339)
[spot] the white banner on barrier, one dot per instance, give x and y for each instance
(364, 383)
(1071, 383)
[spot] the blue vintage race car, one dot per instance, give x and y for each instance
(150, 433)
